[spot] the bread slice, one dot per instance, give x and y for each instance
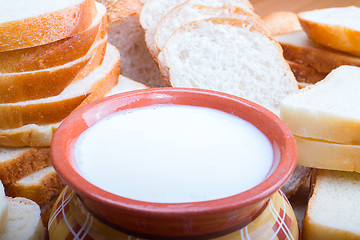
(194, 10)
(296, 180)
(40, 186)
(33, 23)
(151, 14)
(333, 211)
(3, 208)
(327, 155)
(338, 28)
(55, 109)
(16, 163)
(328, 110)
(55, 53)
(300, 49)
(24, 221)
(229, 55)
(306, 74)
(281, 22)
(126, 33)
(126, 85)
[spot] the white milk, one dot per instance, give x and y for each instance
(173, 154)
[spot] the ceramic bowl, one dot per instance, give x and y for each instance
(197, 220)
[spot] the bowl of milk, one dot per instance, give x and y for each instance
(174, 163)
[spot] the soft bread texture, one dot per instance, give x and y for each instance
(194, 10)
(306, 74)
(244, 61)
(3, 209)
(55, 53)
(151, 14)
(24, 221)
(55, 109)
(333, 211)
(40, 186)
(281, 22)
(53, 20)
(23, 86)
(328, 110)
(299, 48)
(338, 28)
(327, 155)
(126, 33)
(16, 163)
(125, 85)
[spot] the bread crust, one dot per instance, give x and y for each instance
(119, 10)
(49, 27)
(281, 22)
(55, 53)
(306, 74)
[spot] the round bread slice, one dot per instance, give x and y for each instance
(55, 109)
(33, 23)
(55, 53)
(229, 55)
(17, 87)
(3, 209)
(337, 28)
(194, 10)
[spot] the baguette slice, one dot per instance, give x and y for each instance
(244, 61)
(194, 10)
(16, 163)
(24, 221)
(338, 28)
(333, 211)
(281, 22)
(55, 109)
(306, 74)
(55, 53)
(328, 110)
(126, 33)
(40, 186)
(327, 155)
(23, 86)
(300, 49)
(3, 208)
(126, 85)
(53, 20)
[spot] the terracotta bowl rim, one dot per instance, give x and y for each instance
(261, 192)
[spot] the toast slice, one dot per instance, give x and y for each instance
(3, 208)
(55, 53)
(53, 20)
(328, 110)
(337, 28)
(244, 61)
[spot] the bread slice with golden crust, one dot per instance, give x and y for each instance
(306, 74)
(33, 23)
(55, 53)
(281, 22)
(3, 208)
(337, 28)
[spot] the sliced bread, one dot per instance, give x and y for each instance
(229, 55)
(55, 109)
(333, 211)
(125, 85)
(16, 163)
(40, 186)
(3, 208)
(281, 22)
(126, 33)
(24, 221)
(328, 110)
(297, 179)
(338, 28)
(305, 73)
(55, 53)
(194, 10)
(300, 49)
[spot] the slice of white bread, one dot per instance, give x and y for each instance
(338, 28)
(3, 208)
(229, 55)
(33, 23)
(40, 186)
(16, 163)
(281, 22)
(305, 73)
(126, 33)
(327, 155)
(151, 14)
(55, 53)
(194, 10)
(55, 109)
(24, 221)
(300, 49)
(328, 110)
(23, 86)
(125, 85)
(333, 209)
